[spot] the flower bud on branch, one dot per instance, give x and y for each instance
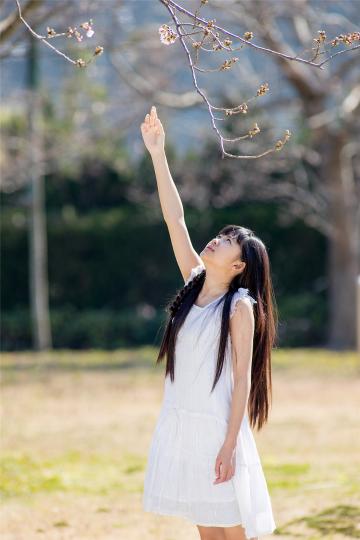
(51, 33)
(280, 143)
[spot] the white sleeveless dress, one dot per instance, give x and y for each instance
(191, 429)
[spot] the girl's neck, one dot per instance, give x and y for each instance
(214, 285)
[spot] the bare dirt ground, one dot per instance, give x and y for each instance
(75, 442)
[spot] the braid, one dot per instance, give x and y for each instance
(174, 306)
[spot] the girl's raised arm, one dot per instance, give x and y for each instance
(171, 205)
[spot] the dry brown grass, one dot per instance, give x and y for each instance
(75, 441)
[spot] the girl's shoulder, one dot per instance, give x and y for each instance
(242, 293)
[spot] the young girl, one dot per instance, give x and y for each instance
(203, 462)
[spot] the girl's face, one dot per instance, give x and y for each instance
(222, 251)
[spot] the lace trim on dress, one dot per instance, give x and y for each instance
(194, 272)
(241, 293)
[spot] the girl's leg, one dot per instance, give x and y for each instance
(236, 533)
(223, 533)
(211, 533)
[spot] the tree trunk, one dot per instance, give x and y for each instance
(38, 277)
(343, 247)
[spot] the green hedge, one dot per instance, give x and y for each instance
(84, 329)
(106, 266)
(301, 321)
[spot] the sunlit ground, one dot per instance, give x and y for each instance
(76, 427)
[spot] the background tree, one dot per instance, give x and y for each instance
(321, 182)
(317, 178)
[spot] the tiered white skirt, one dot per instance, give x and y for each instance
(181, 470)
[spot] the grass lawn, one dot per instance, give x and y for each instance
(76, 428)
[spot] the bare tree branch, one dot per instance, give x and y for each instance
(247, 42)
(279, 144)
(51, 34)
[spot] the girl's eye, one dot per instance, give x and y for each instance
(219, 236)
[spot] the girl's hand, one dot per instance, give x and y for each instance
(153, 132)
(225, 464)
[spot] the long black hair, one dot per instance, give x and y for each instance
(256, 277)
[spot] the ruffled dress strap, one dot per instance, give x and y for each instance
(194, 272)
(241, 293)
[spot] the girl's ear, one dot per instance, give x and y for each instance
(240, 265)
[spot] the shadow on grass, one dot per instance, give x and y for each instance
(341, 519)
(320, 361)
(138, 358)
(62, 366)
